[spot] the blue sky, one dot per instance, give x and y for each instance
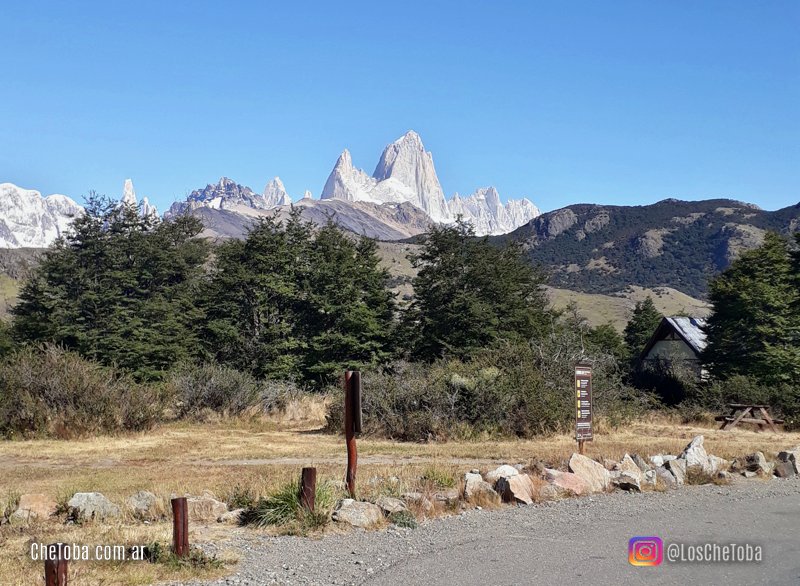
(562, 102)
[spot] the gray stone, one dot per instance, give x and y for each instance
(419, 501)
(661, 459)
(629, 467)
(756, 462)
(87, 506)
(643, 465)
(791, 456)
(695, 456)
(144, 506)
(390, 505)
(476, 489)
(233, 517)
(650, 477)
(516, 489)
(357, 513)
(504, 471)
(205, 509)
(628, 482)
(666, 477)
(595, 475)
(678, 469)
(551, 492)
(784, 469)
(717, 464)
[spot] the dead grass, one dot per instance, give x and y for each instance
(256, 457)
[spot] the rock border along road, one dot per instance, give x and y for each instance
(573, 541)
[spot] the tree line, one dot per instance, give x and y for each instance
(297, 302)
(290, 301)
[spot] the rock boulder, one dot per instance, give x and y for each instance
(357, 513)
(87, 506)
(595, 475)
(516, 489)
(33, 507)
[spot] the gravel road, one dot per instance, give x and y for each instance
(574, 541)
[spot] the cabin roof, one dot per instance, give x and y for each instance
(690, 330)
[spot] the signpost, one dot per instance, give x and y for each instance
(583, 405)
(352, 425)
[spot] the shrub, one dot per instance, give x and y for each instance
(403, 519)
(197, 389)
(48, 391)
(218, 388)
(515, 389)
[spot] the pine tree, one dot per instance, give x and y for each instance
(641, 326)
(469, 294)
(753, 328)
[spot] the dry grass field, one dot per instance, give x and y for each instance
(262, 456)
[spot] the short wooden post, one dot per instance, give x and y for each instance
(180, 527)
(581, 445)
(56, 566)
(308, 488)
(350, 435)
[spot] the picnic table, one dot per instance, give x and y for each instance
(748, 413)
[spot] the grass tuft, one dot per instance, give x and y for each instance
(283, 508)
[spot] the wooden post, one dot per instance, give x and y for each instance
(355, 400)
(308, 488)
(56, 566)
(180, 527)
(581, 445)
(350, 435)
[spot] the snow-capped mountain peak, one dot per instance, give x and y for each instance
(405, 173)
(29, 220)
(275, 194)
(129, 198)
(484, 210)
(129, 194)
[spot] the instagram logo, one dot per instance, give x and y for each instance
(645, 551)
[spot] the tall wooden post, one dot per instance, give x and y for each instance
(56, 566)
(308, 488)
(180, 527)
(350, 434)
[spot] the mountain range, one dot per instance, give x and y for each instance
(586, 247)
(674, 243)
(400, 199)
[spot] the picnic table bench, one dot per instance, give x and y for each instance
(739, 412)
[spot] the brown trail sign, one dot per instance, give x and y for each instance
(583, 404)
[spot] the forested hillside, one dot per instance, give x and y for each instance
(672, 243)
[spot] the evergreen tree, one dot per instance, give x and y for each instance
(120, 289)
(469, 294)
(753, 328)
(291, 302)
(641, 326)
(607, 339)
(349, 311)
(253, 296)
